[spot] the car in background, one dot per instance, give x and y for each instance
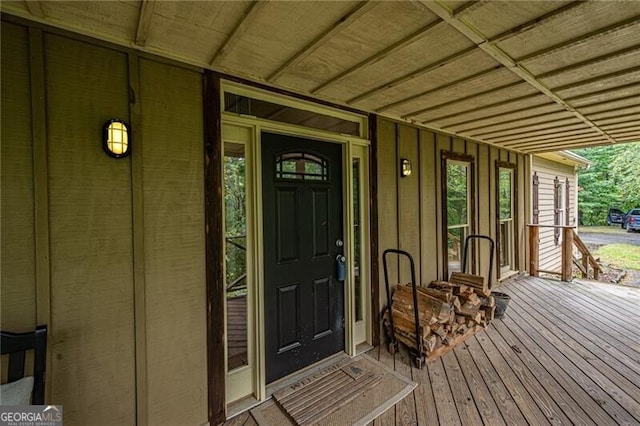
(632, 220)
(615, 216)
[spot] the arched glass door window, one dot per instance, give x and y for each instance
(301, 165)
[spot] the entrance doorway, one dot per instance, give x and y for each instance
(303, 237)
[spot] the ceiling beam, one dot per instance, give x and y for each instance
(549, 141)
(629, 140)
(635, 97)
(236, 34)
(335, 29)
(523, 123)
(585, 132)
(603, 115)
(493, 105)
(502, 115)
(603, 91)
(562, 147)
(502, 57)
(144, 21)
(623, 118)
(590, 62)
(454, 83)
(536, 22)
(581, 39)
(468, 7)
(419, 72)
(532, 127)
(378, 56)
(623, 126)
(545, 131)
(596, 79)
(624, 133)
(464, 99)
(35, 8)
(559, 146)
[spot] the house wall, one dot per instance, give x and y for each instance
(109, 253)
(547, 170)
(410, 209)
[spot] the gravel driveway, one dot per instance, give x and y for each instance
(620, 237)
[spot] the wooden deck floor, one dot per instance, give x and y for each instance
(565, 353)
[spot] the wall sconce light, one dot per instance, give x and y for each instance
(115, 138)
(405, 167)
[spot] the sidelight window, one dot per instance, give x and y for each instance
(235, 238)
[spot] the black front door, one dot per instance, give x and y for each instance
(302, 205)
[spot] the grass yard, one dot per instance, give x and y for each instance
(613, 229)
(621, 255)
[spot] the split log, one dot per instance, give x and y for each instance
(427, 305)
(471, 314)
(476, 282)
(488, 301)
(489, 312)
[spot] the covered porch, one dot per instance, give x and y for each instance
(564, 353)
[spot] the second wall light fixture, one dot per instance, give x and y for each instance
(405, 167)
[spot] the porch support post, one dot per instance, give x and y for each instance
(533, 250)
(567, 254)
(213, 236)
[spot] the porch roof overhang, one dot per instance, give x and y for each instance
(567, 157)
(531, 76)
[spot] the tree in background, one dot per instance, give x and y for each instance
(612, 180)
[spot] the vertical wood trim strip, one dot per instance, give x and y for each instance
(536, 208)
(373, 224)
(396, 177)
(567, 202)
(515, 205)
(556, 212)
(498, 236)
(438, 197)
(41, 194)
(213, 237)
(137, 217)
(420, 224)
(443, 215)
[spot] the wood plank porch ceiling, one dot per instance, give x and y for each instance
(507, 73)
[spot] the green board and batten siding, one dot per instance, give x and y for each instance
(410, 209)
(89, 299)
(18, 278)
(174, 244)
(92, 340)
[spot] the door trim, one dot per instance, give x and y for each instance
(352, 145)
(514, 203)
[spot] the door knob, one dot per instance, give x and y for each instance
(339, 242)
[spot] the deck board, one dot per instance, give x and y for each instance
(605, 316)
(565, 353)
(619, 347)
(405, 409)
(604, 359)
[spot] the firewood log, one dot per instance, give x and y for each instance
(476, 282)
(427, 305)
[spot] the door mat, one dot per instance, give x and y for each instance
(351, 392)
